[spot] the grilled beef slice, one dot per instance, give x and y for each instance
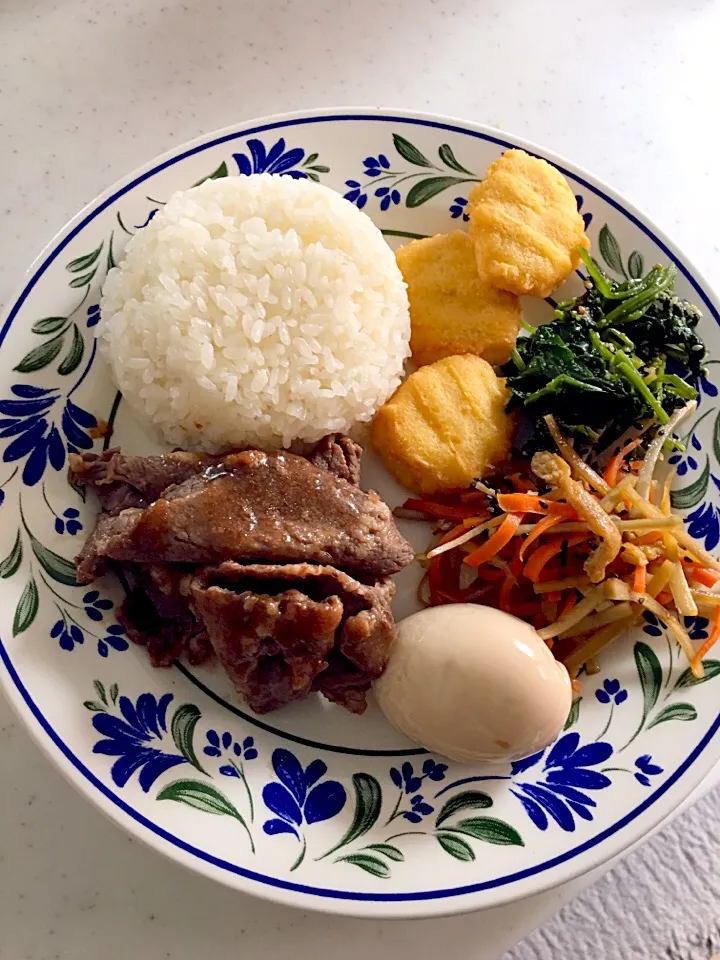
(121, 481)
(255, 506)
(339, 455)
(281, 631)
(281, 628)
(156, 614)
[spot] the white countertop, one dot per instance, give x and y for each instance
(89, 89)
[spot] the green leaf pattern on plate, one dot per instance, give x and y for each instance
(574, 714)
(183, 728)
(422, 176)
(610, 251)
(470, 799)
(11, 563)
(27, 608)
(688, 679)
(40, 356)
(694, 493)
(674, 711)
(74, 356)
(368, 803)
(368, 863)
(455, 846)
(650, 675)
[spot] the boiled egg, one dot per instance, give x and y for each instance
(474, 684)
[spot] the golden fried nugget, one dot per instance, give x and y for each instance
(525, 225)
(445, 425)
(452, 310)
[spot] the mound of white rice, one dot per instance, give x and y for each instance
(255, 311)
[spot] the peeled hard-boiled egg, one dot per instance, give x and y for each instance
(474, 684)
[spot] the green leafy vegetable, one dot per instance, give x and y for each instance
(620, 354)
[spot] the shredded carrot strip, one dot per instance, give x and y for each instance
(473, 496)
(443, 578)
(516, 563)
(444, 596)
(541, 527)
(471, 522)
(451, 534)
(611, 474)
(434, 576)
(549, 609)
(531, 503)
(648, 538)
(709, 643)
(521, 484)
(639, 579)
(460, 529)
(539, 559)
(525, 610)
(708, 578)
(442, 511)
(569, 604)
(527, 556)
(494, 544)
(505, 590)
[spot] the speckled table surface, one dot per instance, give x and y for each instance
(92, 88)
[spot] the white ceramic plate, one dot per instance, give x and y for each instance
(311, 806)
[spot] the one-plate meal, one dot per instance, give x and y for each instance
(268, 343)
(258, 320)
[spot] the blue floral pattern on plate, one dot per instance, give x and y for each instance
(458, 208)
(299, 797)
(587, 217)
(611, 690)
(645, 769)
(279, 160)
(568, 775)
(704, 525)
(408, 782)
(33, 438)
(134, 738)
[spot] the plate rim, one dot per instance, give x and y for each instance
(454, 900)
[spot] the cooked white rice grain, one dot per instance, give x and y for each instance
(255, 310)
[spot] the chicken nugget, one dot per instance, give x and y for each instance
(525, 225)
(445, 425)
(452, 310)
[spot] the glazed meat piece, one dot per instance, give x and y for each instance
(281, 631)
(157, 615)
(121, 481)
(343, 683)
(92, 561)
(361, 652)
(339, 455)
(255, 506)
(236, 555)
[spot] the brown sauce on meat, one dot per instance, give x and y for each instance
(300, 599)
